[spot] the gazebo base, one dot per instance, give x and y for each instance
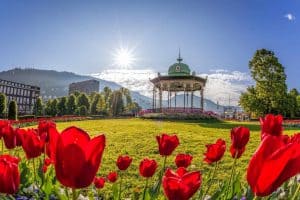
(178, 114)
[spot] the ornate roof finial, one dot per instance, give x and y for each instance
(179, 59)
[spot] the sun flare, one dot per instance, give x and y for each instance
(124, 57)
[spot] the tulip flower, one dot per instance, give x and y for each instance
(239, 139)
(147, 170)
(274, 162)
(167, 144)
(271, 125)
(9, 136)
(44, 128)
(181, 184)
(183, 160)
(19, 136)
(99, 182)
(9, 174)
(77, 157)
(215, 152)
(123, 162)
(32, 144)
(147, 167)
(112, 177)
(52, 143)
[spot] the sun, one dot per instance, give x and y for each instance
(124, 57)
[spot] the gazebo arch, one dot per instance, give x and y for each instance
(179, 79)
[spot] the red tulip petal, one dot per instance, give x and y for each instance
(75, 135)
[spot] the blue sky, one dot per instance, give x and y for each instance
(80, 36)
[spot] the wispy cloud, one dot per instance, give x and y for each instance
(222, 86)
(290, 16)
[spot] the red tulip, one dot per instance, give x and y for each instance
(112, 177)
(44, 168)
(123, 162)
(44, 128)
(215, 152)
(147, 167)
(52, 143)
(272, 164)
(32, 144)
(181, 185)
(99, 182)
(167, 144)
(271, 125)
(183, 160)
(9, 174)
(3, 123)
(9, 136)
(239, 139)
(47, 162)
(19, 136)
(77, 157)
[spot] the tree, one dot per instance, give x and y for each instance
(83, 100)
(116, 102)
(51, 107)
(98, 105)
(38, 107)
(2, 105)
(292, 106)
(269, 95)
(62, 106)
(12, 110)
(71, 105)
(82, 111)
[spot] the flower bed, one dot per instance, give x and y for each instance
(65, 165)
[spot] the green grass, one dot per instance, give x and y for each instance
(136, 137)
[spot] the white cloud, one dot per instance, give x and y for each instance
(222, 85)
(290, 16)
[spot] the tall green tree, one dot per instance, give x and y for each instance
(51, 107)
(62, 106)
(269, 95)
(83, 100)
(38, 107)
(116, 102)
(12, 110)
(71, 104)
(2, 105)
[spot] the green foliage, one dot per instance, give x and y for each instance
(71, 104)
(38, 107)
(2, 105)
(62, 106)
(83, 100)
(12, 110)
(82, 111)
(98, 105)
(51, 107)
(269, 95)
(116, 103)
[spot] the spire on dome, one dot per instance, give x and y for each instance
(179, 59)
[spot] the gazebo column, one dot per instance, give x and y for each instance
(175, 99)
(187, 99)
(160, 99)
(202, 100)
(153, 99)
(170, 99)
(192, 99)
(184, 98)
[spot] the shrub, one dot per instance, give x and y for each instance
(12, 110)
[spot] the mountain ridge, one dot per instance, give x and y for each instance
(55, 84)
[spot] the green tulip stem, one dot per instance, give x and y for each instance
(2, 147)
(210, 181)
(34, 171)
(164, 165)
(120, 189)
(73, 193)
(296, 192)
(232, 173)
(145, 189)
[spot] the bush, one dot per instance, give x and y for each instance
(26, 117)
(2, 105)
(12, 110)
(82, 111)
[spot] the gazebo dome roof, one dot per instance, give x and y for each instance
(179, 69)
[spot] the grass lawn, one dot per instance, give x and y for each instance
(136, 137)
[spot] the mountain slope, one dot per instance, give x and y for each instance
(55, 84)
